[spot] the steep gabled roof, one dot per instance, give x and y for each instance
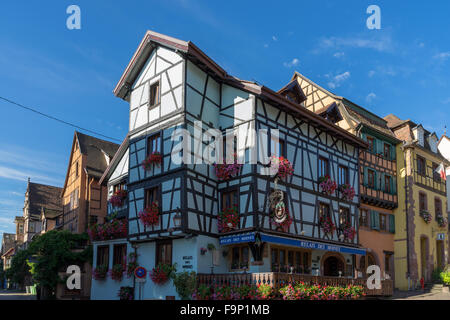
(43, 196)
(192, 52)
(293, 91)
(115, 161)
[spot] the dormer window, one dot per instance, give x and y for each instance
(418, 135)
(293, 92)
(433, 141)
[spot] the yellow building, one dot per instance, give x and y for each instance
(420, 244)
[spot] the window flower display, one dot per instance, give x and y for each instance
(100, 272)
(327, 225)
(117, 272)
(150, 215)
(285, 168)
(327, 185)
(162, 273)
(155, 158)
(228, 219)
(114, 229)
(348, 231)
(225, 171)
(442, 222)
(426, 216)
(347, 191)
(117, 200)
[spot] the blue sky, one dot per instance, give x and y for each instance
(402, 68)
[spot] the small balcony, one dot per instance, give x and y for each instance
(278, 280)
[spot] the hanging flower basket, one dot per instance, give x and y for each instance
(442, 222)
(203, 251)
(426, 216)
(285, 168)
(155, 158)
(116, 228)
(126, 293)
(327, 186)
(100, 272)
(117, 272)
(225, 171)
(117, 200)
(327, 225)
(132, 264)
(150, 215)
(228, 219)
(348, 231)
(347, 191)
(285, 224)
(161, 273)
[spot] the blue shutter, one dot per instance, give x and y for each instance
(375, 220)
(377, 183)
(379, 146)
(391, 223)
(393, 152)
(383, 187)
(366, 176)
(394, 185)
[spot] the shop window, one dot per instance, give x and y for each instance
(285, 260)
(239, 257)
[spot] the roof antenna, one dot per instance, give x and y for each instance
(445, 130)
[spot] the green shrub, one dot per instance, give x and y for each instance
(185, 283)
(445, 278)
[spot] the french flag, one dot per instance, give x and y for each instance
(441, 171)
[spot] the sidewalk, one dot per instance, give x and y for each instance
(419, 295)
(15, 295)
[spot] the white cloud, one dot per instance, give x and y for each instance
(295, 62)
(337, 80)
(370, 97)
(442, 56)
(266, 45)
(381, 44)
(274, 38)
(14, 174)
(371, 73)
(338, 55)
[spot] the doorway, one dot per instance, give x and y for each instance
(424, 258)
(440, 254)
(332, 266)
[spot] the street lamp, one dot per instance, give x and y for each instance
(177, 220)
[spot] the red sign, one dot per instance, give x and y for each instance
(140, 272)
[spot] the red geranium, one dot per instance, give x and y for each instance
(117, 199)
(228, 219)
(154, 158)
(150, 215)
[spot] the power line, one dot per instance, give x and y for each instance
(56, 119)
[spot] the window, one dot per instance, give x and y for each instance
(164, 252)
(75, 198)
(371, 179)
(277, 147)
(283, 260)
(151, 195)
(323, 166)
(93, 220)
(387, 263)
(324, 210)
(119, 254)
(438, 207)
(154, 94)
(239, 257)
(76, 169)
(421, 166)
(342, 175)
(387, 151)
(154, 144)
(422, 201)
(103, 256)
(119, 186)
(229, 199)
(31, 227)
(344, 216)
(387, 184)
(371, 143)
(364, 218)
(436, 175)
(383, 223)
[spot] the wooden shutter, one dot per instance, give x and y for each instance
(377, 183)
(391, 223)
(383, 181)
(379, 146)
(393, 185)
(393, 152)
(375, 220)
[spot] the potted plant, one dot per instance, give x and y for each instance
(348, 231)
(225, 171)
(155, 158)
(100, 272)
(228, 219)
(117, 272)
(116, 228)
(426, 216)
(326, 185)
(203, 251)
(150, 215)
(126, 293)
(347, 191)
(327, 225)
(117, 200)
(285, 168)
(132, 263)
(162, 273)
(442, 222)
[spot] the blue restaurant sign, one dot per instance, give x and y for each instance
(250, 237)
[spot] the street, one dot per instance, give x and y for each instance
(15, 295)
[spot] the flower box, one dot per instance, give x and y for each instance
(126, 293)
(347, 192)
(162, 273)
(114, 229)
(426, 216)
(442, 222)
(150, 215)
(100, 272)
(348, 231)
(327, 225)
(117, 200)
(155, 158)
(117, 272)
(228, 220)
(225, 171)
(285, 168)
(326, 185)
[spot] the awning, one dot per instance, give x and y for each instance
(307, 244)
(312, 244)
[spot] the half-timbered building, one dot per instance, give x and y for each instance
(378, 172)
(173, 87)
